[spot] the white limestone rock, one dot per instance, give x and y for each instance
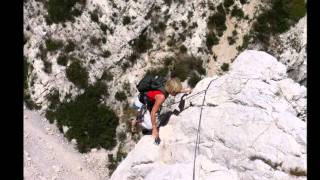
(248, 130)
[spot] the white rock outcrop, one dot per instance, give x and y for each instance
(291, 49)
(253, 127)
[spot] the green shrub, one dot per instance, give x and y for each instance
(122, 136)
(211, 6)
(126, 20)
(217, 22)
(261, 28)
(231, 40)
(163, 71)
(53, 45)
(184, 24)
(183, 49)
(69, 47)
(245, 42)
(104, 40)
(61, 11)
(77, 74)
(125, 66)
(114, 162)
(30, 104)
(225, 66)
(234, 32)
(171, 42)
(243, 1)
(94, 16)
(182, 37)
(194, 25)
(26, 66)
(142, 43)
(278, 19)
(297, 172)
(194, 79)
(54, 99)
(185, 65)
(62, 60)
(180, 70)
(237, 12)
(297, 9)
(168, 61)
(92, 61)
(190, 14)
(50, 115)
(106, 54)
(228, 3)
(120, 96)
(133, 57)
(25, 40)
(47, 66)
(91, 123)
(168, 2)
(221, 9)
(103, 27)
(161, 27)
(126, 87)
(42, 53)
(107, 76)
(211, 40)
(95, 41)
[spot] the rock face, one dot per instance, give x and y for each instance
(184, 22)
(253, 127)
(291, 51)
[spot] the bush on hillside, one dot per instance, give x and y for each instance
(77, 74)
(126, 20)
(237, 12)
(194, 79)
(211, 40)
(107, 75)
(162, 71)
(120, 96)
(142, 43)
(62, 10)
(228, 3)
(225, 67)
(217, 22)
(62, 60)
(278, 19)
(94, 16)
(54, 99)
(91, 123)
(70, 46)
(53, 45)
(185, 65)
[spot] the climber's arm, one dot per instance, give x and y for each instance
(159, 100)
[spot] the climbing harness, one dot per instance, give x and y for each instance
(198, 132)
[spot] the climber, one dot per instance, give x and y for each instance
(153, 92)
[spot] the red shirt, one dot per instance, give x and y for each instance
(151, 94)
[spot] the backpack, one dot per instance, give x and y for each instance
(151, 82)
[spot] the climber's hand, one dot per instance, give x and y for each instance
(157, 141)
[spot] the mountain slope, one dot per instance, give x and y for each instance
(48, 155)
